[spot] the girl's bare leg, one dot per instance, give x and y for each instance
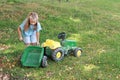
(27, 44)
(33, 44)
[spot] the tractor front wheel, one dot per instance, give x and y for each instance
(77, 52)
(58, 54)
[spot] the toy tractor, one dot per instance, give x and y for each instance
(57, 50)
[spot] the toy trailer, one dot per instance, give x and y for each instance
(33, 56)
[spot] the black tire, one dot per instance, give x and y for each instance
(58, 54)
(77, 52)
(44, 62)
(19, 61)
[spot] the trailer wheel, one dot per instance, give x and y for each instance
(77, 52)
(44, 62)
(20, 62)
(57, 54)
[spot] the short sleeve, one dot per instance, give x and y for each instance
(39, 27)
(23, 24)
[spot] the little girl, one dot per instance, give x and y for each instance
(28, 31)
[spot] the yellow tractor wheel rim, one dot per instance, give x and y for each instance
(58, 55)
(78, 53)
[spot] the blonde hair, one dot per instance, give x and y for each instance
(31, 15)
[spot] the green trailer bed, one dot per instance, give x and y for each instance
(32, 56)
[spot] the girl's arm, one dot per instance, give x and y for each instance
(19, 34)
(38, 32)
(37, 36)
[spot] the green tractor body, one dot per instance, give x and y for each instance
(68, 46)
(69, 43)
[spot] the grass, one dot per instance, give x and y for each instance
(93, 23)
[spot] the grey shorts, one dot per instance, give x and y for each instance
(30, 39)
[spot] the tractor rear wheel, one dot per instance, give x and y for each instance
(58, 54)
(77, 52)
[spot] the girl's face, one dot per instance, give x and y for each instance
(33, 21)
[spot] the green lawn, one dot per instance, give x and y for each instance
(94, 24)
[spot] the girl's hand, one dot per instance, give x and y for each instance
(38, 43)
(20, 38)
